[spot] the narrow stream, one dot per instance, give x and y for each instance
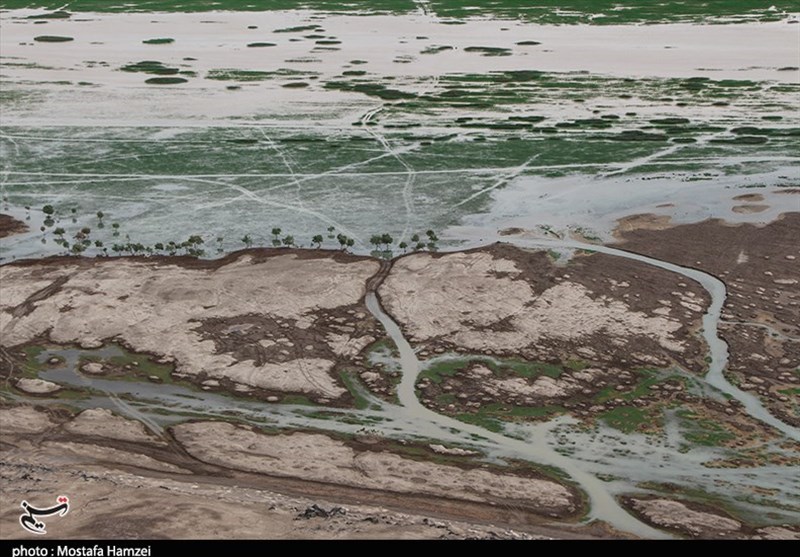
(157, 405)
(603, 505)
(718, 349)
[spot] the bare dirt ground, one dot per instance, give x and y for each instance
(123, 482)
(597, 337)
(700, 521)
(501, 300)
(264, 322)
(580, 337)
(9, 226)
(760, 266)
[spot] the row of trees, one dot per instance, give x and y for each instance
(194, 245)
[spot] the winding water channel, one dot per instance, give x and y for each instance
(158, 405)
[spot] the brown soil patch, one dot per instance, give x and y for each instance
(10, 226)
(749, 209)
(749, 197)
(501, 300)
(761, 267)
(127, 476)
(263, 320)
(701, 521)
(645, 221)
(688, 518)
(321, 459)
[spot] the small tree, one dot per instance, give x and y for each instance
(386, 240)
(317, 240)
(288, 240)
(48, 210)
(247, 241)
(276, 232)
(330, 231)
(375, 240)
(403, 246)
(415, 238)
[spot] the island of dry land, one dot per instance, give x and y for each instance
(505, 337)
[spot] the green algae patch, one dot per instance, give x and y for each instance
(489, 50)
(60, 14)
(297, 29)
(158, 41)
(53, 39)
(165, 80)
(151, 67)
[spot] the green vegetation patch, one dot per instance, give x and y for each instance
(32, 366)
(300, 400)
(489, 50)
(447, 368)
(260, 45)
(482, 421)
(165, 80)
(150, 67)
(52, 39)
(297, 29)
(230, 74)
(159, 41)
(59, 14)
(355, 389)
(741, 140)
(436, 49)
(141, 365)
(703, 431)
(627, 419)
(371, 89)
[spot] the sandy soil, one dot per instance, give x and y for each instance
(245, 319)
(36, 386)
(318, 458)
(700, 521)
(103, 423)
(645, 221)
(118, 483)
(504, 301)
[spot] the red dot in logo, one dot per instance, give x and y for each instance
(62, 499)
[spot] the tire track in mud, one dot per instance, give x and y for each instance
(411, 174)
